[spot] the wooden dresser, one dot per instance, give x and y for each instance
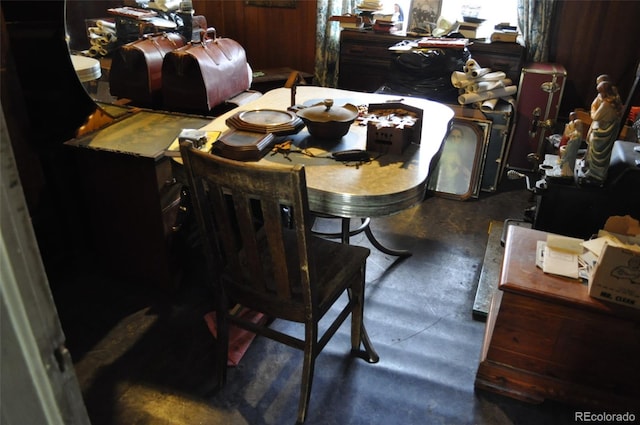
(130, 196)
(546, 338)
(365, 58)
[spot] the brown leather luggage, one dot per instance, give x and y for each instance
(136, 68)
(202, 75)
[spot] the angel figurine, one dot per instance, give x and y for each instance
(606, 110)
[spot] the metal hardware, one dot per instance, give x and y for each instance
(549, 87)
(536, 123)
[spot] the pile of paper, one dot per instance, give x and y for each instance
(563, 256)
(482, 87)
(102, 38)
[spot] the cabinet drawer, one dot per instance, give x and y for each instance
(168, 186)
(508, 64)
(365, 51)
(359, 77)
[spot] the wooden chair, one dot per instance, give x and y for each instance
(254, 222)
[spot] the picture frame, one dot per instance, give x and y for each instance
(424, 14)
(458, 172)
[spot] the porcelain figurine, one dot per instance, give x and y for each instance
(606, 110)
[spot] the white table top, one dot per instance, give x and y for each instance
(382, 187)
(88, 69)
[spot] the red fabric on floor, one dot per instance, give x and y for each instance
(239, 339)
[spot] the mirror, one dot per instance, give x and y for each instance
(93, 71)
(96, 29)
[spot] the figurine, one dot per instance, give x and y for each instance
(606, 111)
(571, 141)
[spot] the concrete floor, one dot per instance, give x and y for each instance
(144, 357)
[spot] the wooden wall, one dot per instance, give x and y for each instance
(272, 36)
(593, 38)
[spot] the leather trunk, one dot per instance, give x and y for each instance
(136, 68)
(202, 75)
(539, 96)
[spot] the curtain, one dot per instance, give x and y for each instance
(328, 40)
(534, 20)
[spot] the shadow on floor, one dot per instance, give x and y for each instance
(143, 356)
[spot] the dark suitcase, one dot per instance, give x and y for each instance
(202, 75)
(136, 68)
(539, 95)
(501, 119)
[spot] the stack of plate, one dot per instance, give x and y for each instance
(266, 121)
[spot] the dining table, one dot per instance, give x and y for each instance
(386, 184)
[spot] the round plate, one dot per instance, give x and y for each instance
(266, 117)
(266, 121)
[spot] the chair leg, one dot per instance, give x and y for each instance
(308, 366)
(222, 344)
(359, 333)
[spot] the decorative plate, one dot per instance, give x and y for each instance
(266, 121)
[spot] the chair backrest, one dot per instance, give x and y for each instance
(253, 220)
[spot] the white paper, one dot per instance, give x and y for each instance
(565, 243)
(561, 263)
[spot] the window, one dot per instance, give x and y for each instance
(494, 12)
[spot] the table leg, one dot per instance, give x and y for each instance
(346, 233)
(395, 252)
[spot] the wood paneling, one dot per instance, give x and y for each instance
(593, 38)
(273, 37)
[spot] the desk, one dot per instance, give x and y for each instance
(547, 338)
(130, 195)
(385, 186)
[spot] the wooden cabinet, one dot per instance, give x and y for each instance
(365, 58)
(506, 57)
(546, 338)
(130, 195)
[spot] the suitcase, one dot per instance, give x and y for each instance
(136, 68)
(202, 75)
(538, 101)
(501, 119)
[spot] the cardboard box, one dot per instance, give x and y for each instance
(391, 127)
(616, 276)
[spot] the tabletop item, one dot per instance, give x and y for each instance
(274, 121)
(392, 126)
(243, 145)
(327, 121)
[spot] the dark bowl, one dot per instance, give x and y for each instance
(327, 130)
(325, 121)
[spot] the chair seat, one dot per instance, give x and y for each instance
(333, 263)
